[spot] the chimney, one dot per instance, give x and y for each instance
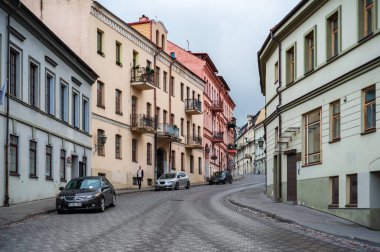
(143, 18)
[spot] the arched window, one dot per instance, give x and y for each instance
(163, 41)
(157, 37)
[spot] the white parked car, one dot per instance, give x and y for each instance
(173, 181)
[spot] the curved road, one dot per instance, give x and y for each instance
(199, 219)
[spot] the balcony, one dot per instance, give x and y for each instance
(168, 133)
(193, 106)
(141, 123)
(217, 137)
(217, 106)
(231, 123)
(142, 78)
(231, 149)
(193, 142)
(247, 156)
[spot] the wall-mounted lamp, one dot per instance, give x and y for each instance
(102, 139)
(345, 99)
(260, 142)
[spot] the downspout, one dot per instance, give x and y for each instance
(155, 116)
(278, 91)
(6, 147)
(170, 109)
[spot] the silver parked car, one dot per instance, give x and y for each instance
(173, 181)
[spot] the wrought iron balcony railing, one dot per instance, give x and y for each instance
(217, 106)
(193, 141)
(142, 123)
(193, 106)
(165, 129)
(142, 78)
(217, 137)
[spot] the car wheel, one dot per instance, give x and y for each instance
(230, 181)
(156, 189)
(102, 205)
(224, 182)
(176, 187)
(113, 204)
(60, 211)
(188, 185)
(210, 183)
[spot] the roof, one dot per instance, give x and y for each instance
(207, 58)
(224, 83)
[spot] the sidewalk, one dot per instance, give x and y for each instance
(19, 212)
(255, 199)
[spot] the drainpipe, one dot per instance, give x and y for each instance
(170, 107)
(278, 91)
(155, 115)
(6, 147)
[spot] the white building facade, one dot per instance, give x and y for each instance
(47, 109)
(319, 72)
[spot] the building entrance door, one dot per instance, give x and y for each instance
(292, 177)
(160, 162)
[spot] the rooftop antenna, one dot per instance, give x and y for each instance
(188, 45)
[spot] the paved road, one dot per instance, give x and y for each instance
(199, 219)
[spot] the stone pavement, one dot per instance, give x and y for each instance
(19, 212)
(256, 200)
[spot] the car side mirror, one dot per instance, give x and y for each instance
(105, 187)
(61, 188)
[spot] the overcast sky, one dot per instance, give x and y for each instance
(230, 31)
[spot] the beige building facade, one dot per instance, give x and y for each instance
(139, 100)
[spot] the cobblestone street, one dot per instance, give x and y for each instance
(201, 218)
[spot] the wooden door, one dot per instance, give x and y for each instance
(292, 177)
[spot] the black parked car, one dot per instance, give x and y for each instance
(86, 193)
(220, 177)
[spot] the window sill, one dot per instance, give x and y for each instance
(119, 113)
(365, 37)
(334, 140)
(332, 57)
(134, 161)
(119, 158)
(308, 72)
(101, 155)
(313, 164)
(369, 131)
(332, 206)
(101, 106)
(14, 174)
(101, 53)
(63, 180)
(49, 179)
(33, 176)
(119, 64)
(352, 205)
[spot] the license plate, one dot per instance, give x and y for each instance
(215, 181)
(75, 204)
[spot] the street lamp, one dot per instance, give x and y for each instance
(102, 139)
(260, 142)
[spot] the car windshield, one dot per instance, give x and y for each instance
(92, 183)
(218, 174)
(167, 176)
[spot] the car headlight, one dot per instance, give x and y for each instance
(60, 197)
(90, 196)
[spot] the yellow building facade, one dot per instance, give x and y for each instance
(147, 108)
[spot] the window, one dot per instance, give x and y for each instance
(134, 150)
(200, 165)
(50, 94)
(100, 94)
(313, 137)
(353, 189)
(333, 35)
(83, 167)
(32, 158)
(135, 58)
(290, 65)
(276, 72)
(165, 81)
(118, 146)
(164, 116)
(62, 167)
(13, 155)
(85, 115)
(191, 164)
(134, 105)
(172, 91)
(75, 109)
(118, 53)
(48, 159)
(100, 145)
(335, 120)
(309, 52)
(369, 109)
(148, 109)
(366, 17)
(14, 58)
(148, 153)
(182, 125)
(172, 119)
(149, 64)
(64, 96)
(182, 87)
(157, 77)
(334, 191)
(118, 102)
(100, 42)
(157, 37)
(173, 160)
(33, 84)
(163, 41)
(182, 161)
